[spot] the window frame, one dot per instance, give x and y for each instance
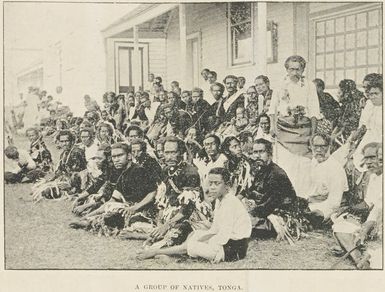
(230, 60)
(355, 49)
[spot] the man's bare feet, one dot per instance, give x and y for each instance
(146, 254)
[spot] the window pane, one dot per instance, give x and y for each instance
(350, 22)
(350, 41)
(349, 74)
(361, 72)
(320, 62)
(361, 39)
(320, 45)
(361, 20)
(373, 56)
(320, 75)
(330, 27)
(329, 63)
(240, 12)
(373, 18)
(242, 42)
(361, 57)
(329, 44)
(373, 37)
(340, 24)
(349, 58)
(340, 42)
(339, 76)
(329, 77)
(373, 70)
(320, 28)
(340, 60)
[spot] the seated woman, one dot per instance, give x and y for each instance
(227, 238)
(294, 108)
(72, 160)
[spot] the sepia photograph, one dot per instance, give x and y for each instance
(193, 136)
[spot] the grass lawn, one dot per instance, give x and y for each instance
(37, 236)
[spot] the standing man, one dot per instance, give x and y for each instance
(294, 108)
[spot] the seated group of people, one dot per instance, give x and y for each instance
(190, 177)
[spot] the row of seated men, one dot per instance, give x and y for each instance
(204, 205)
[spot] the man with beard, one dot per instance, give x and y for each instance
(131, 199)
(328, 180)
(237, 165)
(177, 197)
(234, 98)
(355, 224)
(271, 188)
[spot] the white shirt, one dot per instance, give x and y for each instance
(204, 169)
(91, 151)
(24, 159)
(231, 221)
(327, 183)
(263, 135)
(150, 112)
(207, 93)
(292, 94)
(371, 117)
(374, 196)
